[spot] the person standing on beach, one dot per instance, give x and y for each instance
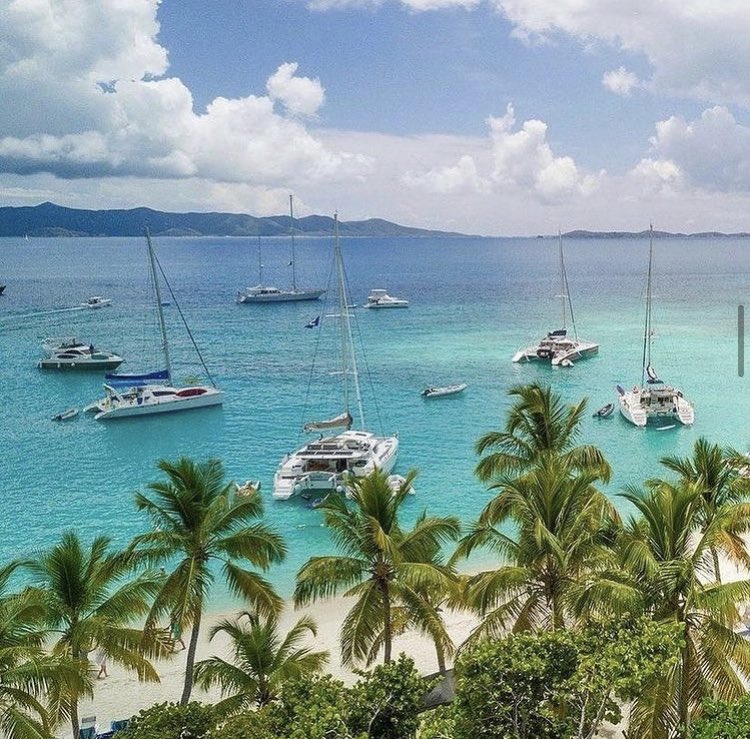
(175, 632)
(101, 660)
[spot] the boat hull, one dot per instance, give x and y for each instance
(556, 355)
(283, 297)
(109, 410)
(80, 365)
(644, 405)
(385, 306)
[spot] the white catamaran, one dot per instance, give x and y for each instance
(326, 464)
(653, 398)
(558, 347)
(268, 294)
(146, 394)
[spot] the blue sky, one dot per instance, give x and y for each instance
(489, 116)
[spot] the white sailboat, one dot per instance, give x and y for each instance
(328, 463)
(653, 398)
(558, 347)
(261, 293)
(128, 396)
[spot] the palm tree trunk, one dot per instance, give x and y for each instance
(74, 720)
(717, 566)
(684, 697)
(387, 626)
(440, 652)
(192, 647)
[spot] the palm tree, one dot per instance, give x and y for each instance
(90, 599)
(382, 565)
(667, 552)
(560, 521)
(716, 473)
(262, 661)
(539, 424)
(197, 521)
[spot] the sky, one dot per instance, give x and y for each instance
(493, 117)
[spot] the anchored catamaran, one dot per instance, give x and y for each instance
(558, 347)
(328, 463)
(653, 398)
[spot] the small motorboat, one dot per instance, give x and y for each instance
(605, 411)
(379, 298)
(96, 301)
(440, 392)
(66, 415)
(396, 482)
(249, 487)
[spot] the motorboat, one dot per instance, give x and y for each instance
(379, 298)
(440, 392)
(329, 463)
(653, 399)
(135, 395)
(261, 293)
(70, 354)
(249, 487)
(96, 301)
(67, 415)
(605, 411)
(561, 347)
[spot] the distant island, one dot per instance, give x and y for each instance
(657, 235)
(53, 220)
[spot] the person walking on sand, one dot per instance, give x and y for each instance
(101, 660)
(175, 632)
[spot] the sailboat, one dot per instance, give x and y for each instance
(129, 395)
(329, 462)
(558, 347)
(268, 294)
(653, 398)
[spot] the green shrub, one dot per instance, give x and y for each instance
(171, 721)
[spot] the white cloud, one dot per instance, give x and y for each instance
(299, 95)
(461, 177)
(524, 159)
(620, 81)
(102, 106)
(697, 48)
(414, 5)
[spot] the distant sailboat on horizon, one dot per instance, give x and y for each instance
(268, 294)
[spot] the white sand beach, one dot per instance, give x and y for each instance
(121, 695)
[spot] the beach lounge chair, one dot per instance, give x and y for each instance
(119, 725)
(88, 733)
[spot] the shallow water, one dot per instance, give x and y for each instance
(473, 303)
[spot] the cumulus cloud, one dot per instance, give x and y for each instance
(697, 48)
(299, 95)
(414, 5)
(523, 158)
(102, 105)
(620, 81)
(461, 177)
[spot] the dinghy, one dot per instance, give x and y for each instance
(605, 411)
(439, 392)
(66, 415)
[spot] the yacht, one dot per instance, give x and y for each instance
(261, 293)
(96, 301)
(69, 353)
(560, 347)
(328, 463)
(653, 399)
(379, 298)
(128, 396)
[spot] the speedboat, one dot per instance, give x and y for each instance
(332, 461)
(653, 399)
(605, 411)
(69, 353)
(560, 348)
(379, 298)
(96, 301)
(439, 392)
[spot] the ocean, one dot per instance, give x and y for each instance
(474, 302)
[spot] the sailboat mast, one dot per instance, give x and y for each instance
(647, 327)
(260, 262)
(291, 228)
(562, 280)
(159, 307)
(348, 357)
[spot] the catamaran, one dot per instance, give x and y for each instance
(330, 462)
(268, 294)
(558, 347)
(133, 395)
(653, 398)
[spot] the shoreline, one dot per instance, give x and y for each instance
(121, 695)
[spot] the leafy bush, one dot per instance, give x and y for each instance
(723, 720)
(171, 721)
(439, 723)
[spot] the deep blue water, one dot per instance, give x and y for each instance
(473, 303)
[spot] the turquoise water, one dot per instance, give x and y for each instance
(473, 303)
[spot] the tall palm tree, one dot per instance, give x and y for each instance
(667, 551)
(539, 424)
(559, 522)
(384, 566)
(91, 598)
(716, 472)
(199, 522)
(262, 661)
